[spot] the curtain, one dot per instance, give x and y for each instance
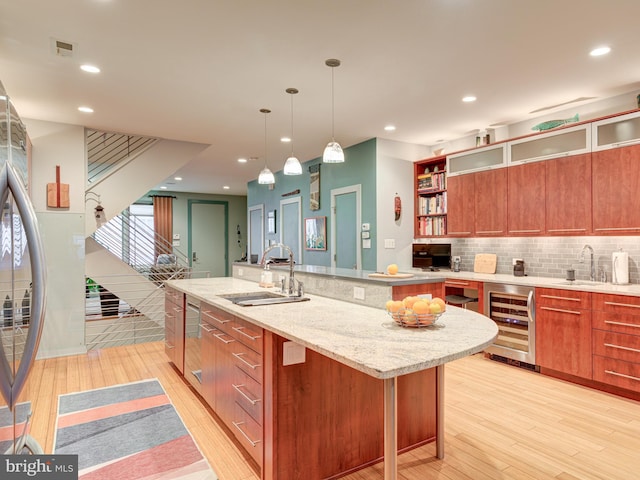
(163, 224)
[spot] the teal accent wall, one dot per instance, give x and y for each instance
(359, 168)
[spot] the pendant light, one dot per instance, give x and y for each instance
(266, 176)
(292, 165)
(333, 151)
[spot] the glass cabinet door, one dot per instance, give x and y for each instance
(616, 132)
(561, 143)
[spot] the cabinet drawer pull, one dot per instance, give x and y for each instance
(609, 229)
(239, 357)
(566, 230)
(630, 377)
(622, 324)
(240, 330)
(169, 346)
(620, 347)
(208, 314)
(561, 298)
(206, 328)
(177, 309)
(450, 282)
(561, 310)
(525, 231)
(459, 233)
(219, 337)
(489, 231)
(249, 399)
(616, 304)
(253, 443)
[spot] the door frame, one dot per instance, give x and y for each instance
(250, 232)
(298, 201)
(357, 189)
(191, 202)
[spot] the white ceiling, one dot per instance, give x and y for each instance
(200, 70)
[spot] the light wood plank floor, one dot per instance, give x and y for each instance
(501, 422)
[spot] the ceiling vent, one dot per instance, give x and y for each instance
(62, 49)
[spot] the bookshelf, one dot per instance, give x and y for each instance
(430, 181)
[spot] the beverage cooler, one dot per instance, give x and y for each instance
(512, 307)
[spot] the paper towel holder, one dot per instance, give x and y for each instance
(619, 271)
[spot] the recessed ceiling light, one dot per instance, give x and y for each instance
(596, 52)
(177, 178)
(469, 98)
(285, 140)
(163, 187)
(242, 160)
(226, 187)
(86, 109)
(390, 128)
(89, 68)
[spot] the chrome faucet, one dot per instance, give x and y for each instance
(292, 282)
(592, 273)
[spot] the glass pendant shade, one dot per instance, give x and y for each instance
(266, 177)
(333, 153)
(292, 166)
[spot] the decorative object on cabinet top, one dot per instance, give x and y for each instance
(548, 125)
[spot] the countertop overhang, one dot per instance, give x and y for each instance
(364, 338)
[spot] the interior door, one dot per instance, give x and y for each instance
(208, 237)
(256, 233)
(345, 203)
(290, 227)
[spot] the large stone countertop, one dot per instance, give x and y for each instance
(420, 277)
(364, 338)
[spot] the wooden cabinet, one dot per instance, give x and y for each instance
(616, 340)
(490, 193)
(526, 199)
(563, 331)
(232, 375)
(430, 182)
(174, 309)
(461, 205)
(568, 195)
(616, 183)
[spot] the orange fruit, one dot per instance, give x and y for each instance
(421, 307)
(409, 301)
(394, 306)
(392, 269)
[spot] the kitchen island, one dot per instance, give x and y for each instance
(363, 388)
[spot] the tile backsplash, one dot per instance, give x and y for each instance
(550, 256)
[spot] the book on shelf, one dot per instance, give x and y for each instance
(432, 181)
(434, 205)
(432, 226)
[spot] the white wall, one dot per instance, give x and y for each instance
(62, 232)
(394, 176)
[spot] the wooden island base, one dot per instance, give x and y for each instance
(324, 419)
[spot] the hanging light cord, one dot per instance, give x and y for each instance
(333, 107)
(291, 94)
(265, 137)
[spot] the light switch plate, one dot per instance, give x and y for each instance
(240, 272)
(366, 227)
(358, 293)
(293, 353)
(389, 243)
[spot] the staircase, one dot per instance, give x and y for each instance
(120, 257)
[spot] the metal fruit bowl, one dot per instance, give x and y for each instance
(408, 318)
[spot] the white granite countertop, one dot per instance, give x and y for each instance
(361, 337)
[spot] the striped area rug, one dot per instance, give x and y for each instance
(128, 432)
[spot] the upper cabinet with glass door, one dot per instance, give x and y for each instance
(545, 146)
(616, 131)
(483, 158)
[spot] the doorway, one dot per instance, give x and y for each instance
(345, 227)
(290, 228)
(209, 237)
(255, 229)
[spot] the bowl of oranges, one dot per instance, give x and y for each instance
(416, 311)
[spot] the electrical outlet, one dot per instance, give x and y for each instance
(516, 260)
(293, 353)
(240, 272)
(358, 293)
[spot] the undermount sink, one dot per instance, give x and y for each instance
(261, 298)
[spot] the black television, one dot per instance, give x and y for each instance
(431, 256)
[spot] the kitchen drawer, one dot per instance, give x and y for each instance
(247, 333)
(617, 322)
(216, 317)
(247, 360)
(248, 432)
(563, 299)
(470, 284)
(248, 394)
(616, 303)
(616, 372)
(617, 345)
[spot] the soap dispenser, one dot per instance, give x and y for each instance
(266, 279)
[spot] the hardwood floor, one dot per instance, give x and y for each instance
(501, 422)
